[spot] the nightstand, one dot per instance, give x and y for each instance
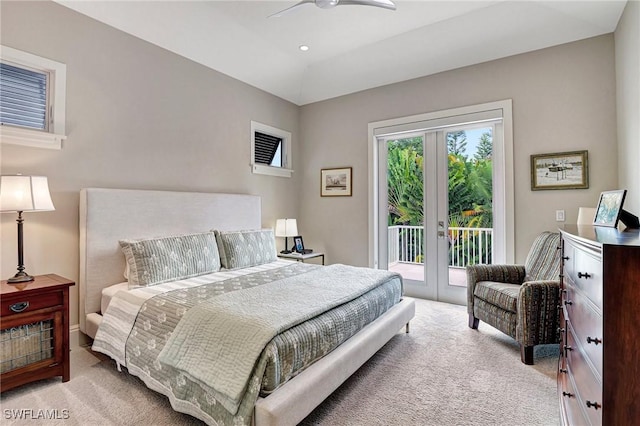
(301, 257)
(34, 330)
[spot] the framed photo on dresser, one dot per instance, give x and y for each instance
(609, 208)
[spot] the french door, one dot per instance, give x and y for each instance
(440, 203)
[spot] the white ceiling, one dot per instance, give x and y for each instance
(352, 48)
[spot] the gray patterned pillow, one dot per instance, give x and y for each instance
(158, 260)
(242, 249)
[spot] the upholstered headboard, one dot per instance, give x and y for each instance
(109, 215)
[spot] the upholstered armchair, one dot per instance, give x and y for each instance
(520, 300)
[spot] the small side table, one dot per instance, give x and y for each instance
(301, 257)
(34, 330)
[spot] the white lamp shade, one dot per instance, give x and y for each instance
(24, 193)
(286, 228)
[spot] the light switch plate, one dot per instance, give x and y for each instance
(559, 215)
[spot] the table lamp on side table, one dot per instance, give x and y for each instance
(23, 194)
(286, 228)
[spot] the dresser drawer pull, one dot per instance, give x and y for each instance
(593, 405)
(565, 257)
(564, 370)
(586, 275)
(560, 330)
(568, 302)
(593, 340)
(567, 394)
(19, 307)
(567, 348)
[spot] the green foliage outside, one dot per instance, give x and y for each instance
(470, 186)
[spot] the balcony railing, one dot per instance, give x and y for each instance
(467, 246)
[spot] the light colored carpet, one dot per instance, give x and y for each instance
(442, 373)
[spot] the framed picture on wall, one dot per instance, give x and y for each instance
(560, 170)
(335, 182)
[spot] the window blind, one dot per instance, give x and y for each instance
(23, 97)
(266, 147)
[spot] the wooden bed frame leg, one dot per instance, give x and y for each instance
(406, 328)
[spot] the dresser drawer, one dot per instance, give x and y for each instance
(586, 322)
(589, 390)
(569, 404)
(15, 305)
(587, 275)
(568, 254)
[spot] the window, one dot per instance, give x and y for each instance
(270, 150)
(32, 92)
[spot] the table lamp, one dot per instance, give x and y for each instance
(23, 194)
(286, 228)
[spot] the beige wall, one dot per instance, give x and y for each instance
(563, 100)
(141, 117)
(137, 117)
(627, 38)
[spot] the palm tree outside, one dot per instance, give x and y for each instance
(470, 171)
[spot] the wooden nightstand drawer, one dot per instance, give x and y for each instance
(17, 305)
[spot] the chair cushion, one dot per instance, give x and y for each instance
(543, 260)
(502, 295)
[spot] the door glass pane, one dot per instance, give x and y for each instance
(405, 212)
(470, 173)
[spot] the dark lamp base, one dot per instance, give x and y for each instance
(20, 277)
(286, 252)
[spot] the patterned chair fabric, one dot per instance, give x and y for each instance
(520, 300)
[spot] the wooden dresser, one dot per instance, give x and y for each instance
(599, 367)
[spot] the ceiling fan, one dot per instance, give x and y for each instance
(329, 4)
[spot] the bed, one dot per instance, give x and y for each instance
(108, 216)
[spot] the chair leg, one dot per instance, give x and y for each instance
(473, 322)
(526, 354)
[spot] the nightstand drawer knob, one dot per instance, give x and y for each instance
(19, 307)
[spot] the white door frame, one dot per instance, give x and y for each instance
(502, 166)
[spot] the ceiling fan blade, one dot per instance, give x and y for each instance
(386, 4)
(289, 9)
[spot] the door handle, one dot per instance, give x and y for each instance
(441, 224)
(441, 235)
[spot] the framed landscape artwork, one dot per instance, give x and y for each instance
(335, 182)
(560, 170)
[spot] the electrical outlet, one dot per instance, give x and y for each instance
(559, 215)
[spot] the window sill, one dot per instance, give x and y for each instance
(270, 170)
(32, 138)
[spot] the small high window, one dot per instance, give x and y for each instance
(270, 150)
(32, 93)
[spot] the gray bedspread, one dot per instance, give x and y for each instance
(218, 342)
(154, 321)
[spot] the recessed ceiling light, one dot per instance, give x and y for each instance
(303, 47)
